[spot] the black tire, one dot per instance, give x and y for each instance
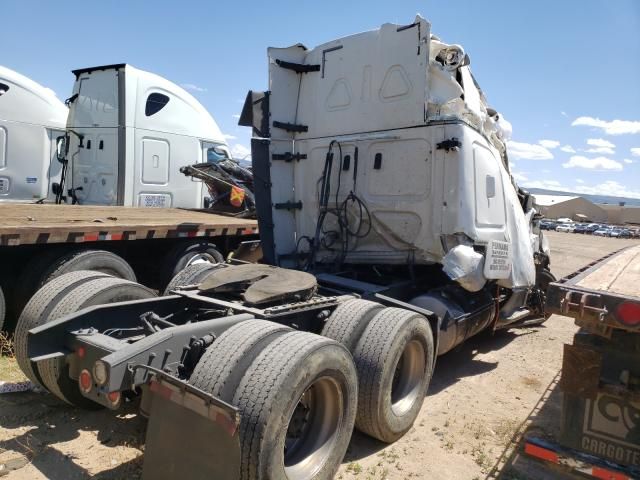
(394, 359)
(544, 277)
(191, 275)
(3, 309)
(51, 265)
(348, 321)
(37, 311)
(181, 256)
(294, 369)
(55, 373)
(222, 366)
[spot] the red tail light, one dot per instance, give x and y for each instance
(114, 398)
(85, 381)
(629, 314)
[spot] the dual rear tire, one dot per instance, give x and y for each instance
(300, 394)
(393, 350)
(297, 396)
(67, 294)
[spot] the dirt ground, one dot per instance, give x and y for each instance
(482, 397)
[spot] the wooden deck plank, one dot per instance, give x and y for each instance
(31, 223)
(619, 275)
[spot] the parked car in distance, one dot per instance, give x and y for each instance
(581, 228)
(548, 225)
(603, 232)
(592, 227)
(620, 233)
(565, 227)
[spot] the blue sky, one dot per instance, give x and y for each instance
(565, 73)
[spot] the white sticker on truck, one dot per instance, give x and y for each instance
(4, 185)
(154, 200)
(497, 263)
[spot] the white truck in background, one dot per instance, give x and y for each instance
(31, 119)
(128, 133)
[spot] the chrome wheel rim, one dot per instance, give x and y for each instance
(407, 379)
(313, 429)
(200, 258)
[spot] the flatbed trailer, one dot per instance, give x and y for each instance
(145, 244)
(600, 378)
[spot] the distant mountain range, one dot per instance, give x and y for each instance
(629, 202)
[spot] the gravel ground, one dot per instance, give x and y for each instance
(483, 395)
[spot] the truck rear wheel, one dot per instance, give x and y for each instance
(348, 321)
(297, 402)
(186, 254)
(224, 363)
(45, 268)
(99, 291)
(191, 275)
(394, 359)
(37, 310)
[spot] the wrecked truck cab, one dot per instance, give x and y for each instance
(387, 133)
(391, 232)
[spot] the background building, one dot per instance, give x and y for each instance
(574, 207)
(581, 209)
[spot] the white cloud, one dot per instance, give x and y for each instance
(626, 160)
(564, 114)
(192, 87)
(568, 149)
(239, 151)
(604, 150)
(598, 163)
(546, 184)
(519, 176)
(229, 137)
(579, 180)
(635, 151)
(609, 188)
(600, 142)
(528, 151)
(236, 115)
(614, 127)
(549, 143)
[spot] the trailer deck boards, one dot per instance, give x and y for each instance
(24, 224)
(620, 274)
(602, 296)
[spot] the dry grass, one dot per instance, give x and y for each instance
(9, 369)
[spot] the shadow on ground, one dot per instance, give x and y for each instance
(47, 422)
(450, 368)
(543, 422)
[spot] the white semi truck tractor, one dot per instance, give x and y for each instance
(31, 119)
(391, 232)
(128, 133)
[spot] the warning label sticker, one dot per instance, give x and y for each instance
(4, 185)
(151, 200)
(498, 261)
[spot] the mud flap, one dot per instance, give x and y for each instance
(190, 434)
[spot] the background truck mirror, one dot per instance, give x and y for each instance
(61, 144)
